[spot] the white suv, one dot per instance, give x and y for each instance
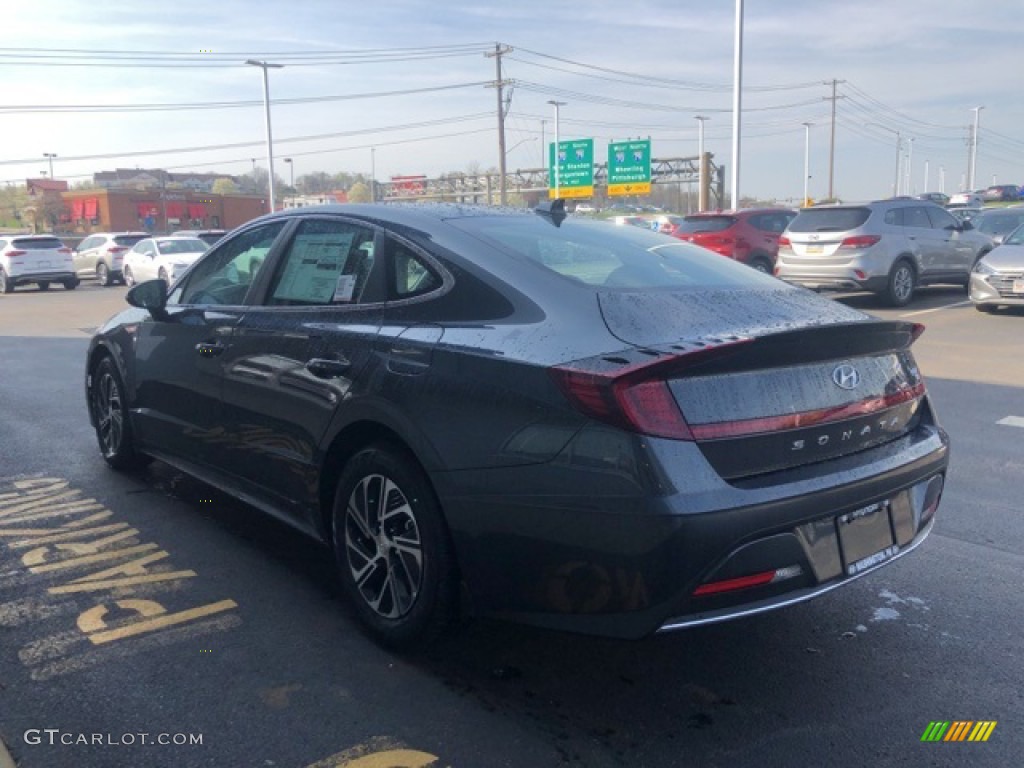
(39, 259)
(101, 255)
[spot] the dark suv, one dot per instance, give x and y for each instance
(750, 236)
(888, 247)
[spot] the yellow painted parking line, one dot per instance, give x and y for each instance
(98, 586)
(74, 562)
(161, 622)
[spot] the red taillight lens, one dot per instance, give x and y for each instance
(64, 250)
(16, 253)
(635, 397)
(116, 249)
(784, 242)
(860, 241)
(916, 331)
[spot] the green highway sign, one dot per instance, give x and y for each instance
(629, 167)
(575, 168)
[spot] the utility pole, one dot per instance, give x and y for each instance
(265, 65)
(832, 142)
(499, 51)
(972, 159)
(702, 170)
(909, 183)
(543, 146)
(558, 140)
(807, 164)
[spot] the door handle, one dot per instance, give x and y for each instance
(210, 348)
(325, 368)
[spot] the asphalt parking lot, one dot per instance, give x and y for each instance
(228, 627)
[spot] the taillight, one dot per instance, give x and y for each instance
(784, 242)
(635, 397)
(64, 250)
(916, 331)
(16, 253)
(116, 249)
(860, 241)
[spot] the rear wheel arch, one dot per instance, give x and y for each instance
(761, 261)
(346, 444)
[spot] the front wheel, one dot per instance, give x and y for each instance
(110, 415)
(71, 283)
(900, 288)
(392, 548)
(761, 265)
(129, 278)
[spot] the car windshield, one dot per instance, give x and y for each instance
(37, 243)
(597, 254)
(706, 223)
(1016, 237)
(194, 245)
(128, 240)
(829, 219)
(999, 224)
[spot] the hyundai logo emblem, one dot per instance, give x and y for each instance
(846, 376)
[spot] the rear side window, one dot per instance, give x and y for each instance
(128, 240)
(706, 223)
(37, 243)
(829, 219)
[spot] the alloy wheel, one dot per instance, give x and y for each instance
(109, 414)
(383, 546)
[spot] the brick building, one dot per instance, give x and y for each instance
(155, 210)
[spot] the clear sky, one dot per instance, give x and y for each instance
(80, 79)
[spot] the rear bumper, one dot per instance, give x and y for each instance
(41, 277)
(836, 282)
(614, 555)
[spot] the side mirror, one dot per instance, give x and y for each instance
(151, 296)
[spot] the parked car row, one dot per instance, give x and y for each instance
(109, 257)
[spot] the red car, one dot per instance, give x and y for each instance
(750, 235)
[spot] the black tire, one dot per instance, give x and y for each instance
(6, 286)
(110, 416)
(164, 276)
(404, 595)
(103, 274)
(988, 309)
(71, 283)
(44, 285)
(761, 264)
(899, 289)
(129, 279)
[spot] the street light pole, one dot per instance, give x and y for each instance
(807, 162)
(373, 174)
(265, 65)
(908, 183)
(899, 144)
(543, 146)
(702, 185)
(558, 140)
(737, 101)
(973, 164)
(49, 156)
(291, 172)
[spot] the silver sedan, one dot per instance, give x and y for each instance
(998, 277)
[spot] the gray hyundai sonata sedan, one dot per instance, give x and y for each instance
(521, 415)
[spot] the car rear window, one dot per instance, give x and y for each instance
(598, 254)
(829, 219)
(195, 245)
(706, 223)
(129, 240)
(37, 243)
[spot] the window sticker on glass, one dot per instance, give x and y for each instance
(314, 266)
(345, 288)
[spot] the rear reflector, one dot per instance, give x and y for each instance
(745, 582)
